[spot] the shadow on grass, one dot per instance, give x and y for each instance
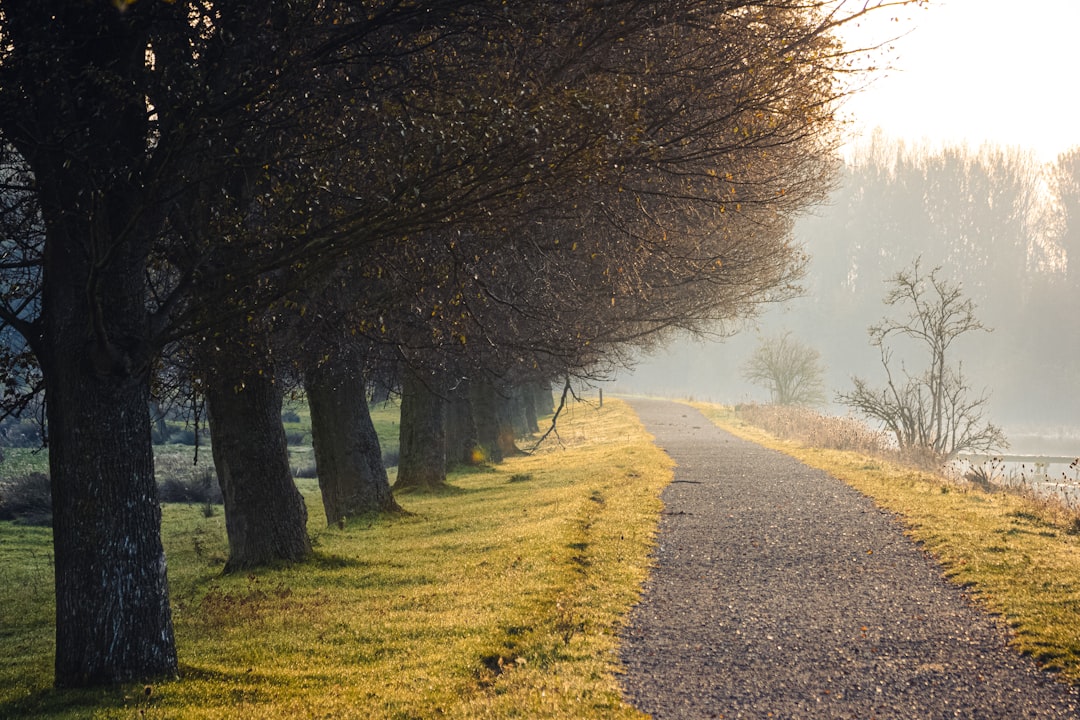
(440, 490)
(53, 703)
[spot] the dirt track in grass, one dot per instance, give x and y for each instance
(781, 592)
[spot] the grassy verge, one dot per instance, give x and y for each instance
(1019, 556)
(499, 599)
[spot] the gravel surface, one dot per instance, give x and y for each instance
(781, 592)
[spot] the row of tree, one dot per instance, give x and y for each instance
(465, 196)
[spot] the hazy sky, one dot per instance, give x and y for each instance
(977, 70)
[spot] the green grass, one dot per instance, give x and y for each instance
(500, 599)
(385, 416)
(22, 461)
(1019, 556)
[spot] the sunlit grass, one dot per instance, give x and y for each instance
(1019, 556)
(499, 599)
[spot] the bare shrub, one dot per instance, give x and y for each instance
(985, 475)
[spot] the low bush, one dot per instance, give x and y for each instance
(180, 480)
(290, 416)
(27, 499)
(200, 486)
(295, 437)
(183, 436)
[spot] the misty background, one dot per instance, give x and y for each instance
(996, 219)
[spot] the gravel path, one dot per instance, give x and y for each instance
(780, 592)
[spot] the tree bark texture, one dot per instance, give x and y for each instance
(348, 456)
(71, 117)
(422, 459)
(265, 515)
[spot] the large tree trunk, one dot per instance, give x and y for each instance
(422, 460)
(112, 603)
(73, 117)
(112, 610)
(522, 411)
(265, 516)
(347, 453)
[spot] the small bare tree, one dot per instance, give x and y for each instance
(790, 370)
(931, 410)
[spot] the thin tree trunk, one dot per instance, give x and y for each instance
(507, 432)
(494, 429)
(265, 516)
(348, 456)
(485, 412)
(461, 443)
(422, 459)
(528, 404)
(543, 400)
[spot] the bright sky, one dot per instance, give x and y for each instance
(978, 70)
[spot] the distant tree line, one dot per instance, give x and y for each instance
(1000, 224)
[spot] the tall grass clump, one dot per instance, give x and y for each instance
(808, 426)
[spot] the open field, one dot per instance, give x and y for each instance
(498, 599)
(1019, 556)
